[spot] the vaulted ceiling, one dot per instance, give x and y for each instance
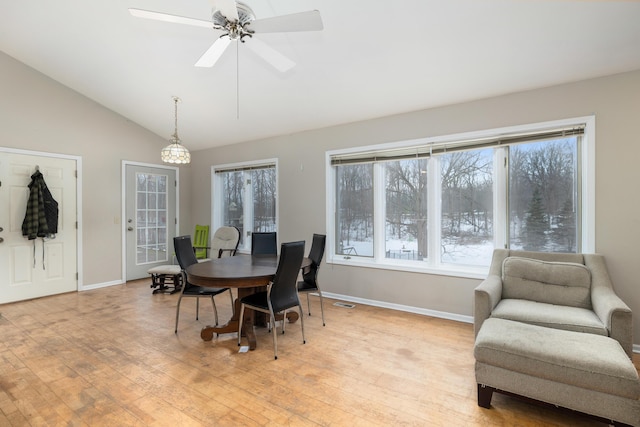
(373, 58)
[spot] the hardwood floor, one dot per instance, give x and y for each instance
(109, 357)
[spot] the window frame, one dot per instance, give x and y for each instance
(216, 188)
(434, 266)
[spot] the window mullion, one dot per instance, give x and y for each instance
(500, 197)
(379, 211)
(434, 214)
(248, 205)
(216, 208)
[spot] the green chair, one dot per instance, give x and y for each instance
(201, 241)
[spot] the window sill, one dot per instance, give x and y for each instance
(469, 272)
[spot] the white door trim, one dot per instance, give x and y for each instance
(123, 193)
(78, 160)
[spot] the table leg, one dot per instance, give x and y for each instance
(232, 325)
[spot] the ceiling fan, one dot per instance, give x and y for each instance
(237, 21)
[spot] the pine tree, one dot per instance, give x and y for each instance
(536, 224)
(564, 235)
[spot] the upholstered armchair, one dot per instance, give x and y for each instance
(558, 290)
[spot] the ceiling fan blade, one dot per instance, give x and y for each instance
(228, 9)
(303, 21)
(211, 56)
(157, 16)
(269, 54)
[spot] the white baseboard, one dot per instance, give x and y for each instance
(410, 309)
(400, 307)
(100, 285)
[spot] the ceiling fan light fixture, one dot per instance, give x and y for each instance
(175, 153)
(235, 30)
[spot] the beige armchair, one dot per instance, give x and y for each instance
(563, 291)
(224, 243)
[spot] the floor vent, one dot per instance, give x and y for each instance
(344, 305)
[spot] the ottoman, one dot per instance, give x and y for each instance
(579, 371)
(162, 275)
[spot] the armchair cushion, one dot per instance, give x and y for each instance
(550, 315)
(561, 283)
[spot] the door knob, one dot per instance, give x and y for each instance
(130, 228)
(1, 240)
(1, 229)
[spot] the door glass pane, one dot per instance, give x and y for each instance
(162, 201)
(354, 231)
(151, 214)
(162, 184)
(263, 183)
(141, 182)
(543, 196)
(467, 207)
(406, 209)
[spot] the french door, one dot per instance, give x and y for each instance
(150, 219)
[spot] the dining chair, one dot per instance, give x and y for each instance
(281, 293)
(309, 281)
(264, 243)
(186, 257)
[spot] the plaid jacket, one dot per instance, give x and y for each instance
(41, 217)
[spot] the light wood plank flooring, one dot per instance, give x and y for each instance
(109, 357)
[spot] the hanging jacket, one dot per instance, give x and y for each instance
(41, 217)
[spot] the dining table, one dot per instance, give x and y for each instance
(248, 274)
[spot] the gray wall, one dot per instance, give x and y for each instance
(615, 101)
(39, 114)
(36, 113)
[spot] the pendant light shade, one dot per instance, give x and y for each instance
(175, 152)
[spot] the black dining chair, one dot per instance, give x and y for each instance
(309, 281)
(186, 257)
(281, 293)
(264, 243)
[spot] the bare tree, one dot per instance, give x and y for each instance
(355, 203)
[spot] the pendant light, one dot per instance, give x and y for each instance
(175, 152)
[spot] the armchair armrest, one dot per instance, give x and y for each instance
(612, 311)
(232, 252)
(206, 249)
(486, 296)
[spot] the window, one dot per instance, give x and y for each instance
(445, 204)
(466, 214)
(355, 210)
(245, 196)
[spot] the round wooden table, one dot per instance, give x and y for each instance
(249, 274)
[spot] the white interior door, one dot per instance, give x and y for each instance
(36, 268)
(150, 218)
